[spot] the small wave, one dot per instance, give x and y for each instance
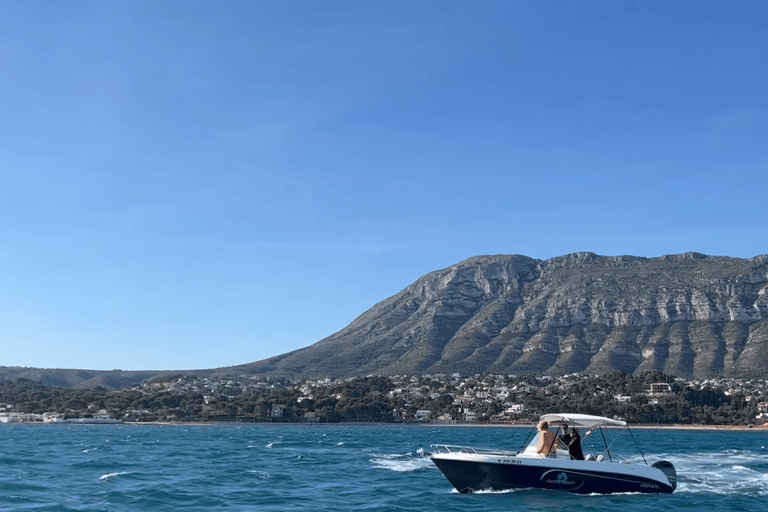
(263, 475)
(403, 463)
(342, 443)
(113, 475)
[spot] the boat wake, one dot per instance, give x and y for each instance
(505, 491)
(722, 473)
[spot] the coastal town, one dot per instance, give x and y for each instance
(651, 398)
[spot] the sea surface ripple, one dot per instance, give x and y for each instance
(334, 467)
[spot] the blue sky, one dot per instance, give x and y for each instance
(202, 184)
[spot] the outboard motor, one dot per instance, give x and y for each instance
(669, 470)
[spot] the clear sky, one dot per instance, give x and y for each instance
(198, 184)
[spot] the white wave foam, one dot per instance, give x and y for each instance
(488, 491)
(402, 463)
(113, 475)
(264, 475)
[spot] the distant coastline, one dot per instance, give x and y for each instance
(363, 424)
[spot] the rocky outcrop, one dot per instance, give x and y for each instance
(688, 315)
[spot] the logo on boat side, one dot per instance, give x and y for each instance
(562, 479)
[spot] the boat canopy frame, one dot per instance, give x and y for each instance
(591, 423)
(581, 421)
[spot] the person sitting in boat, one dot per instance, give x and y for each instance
(572, 440)
(547, 442)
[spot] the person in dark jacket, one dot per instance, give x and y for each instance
(572, 439)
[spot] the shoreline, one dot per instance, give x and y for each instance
(639, 426)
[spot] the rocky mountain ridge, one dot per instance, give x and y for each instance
(690, 315)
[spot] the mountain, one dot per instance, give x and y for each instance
(688, 315)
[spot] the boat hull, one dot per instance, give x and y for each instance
(472, 474)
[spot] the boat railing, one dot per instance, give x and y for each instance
(448, 448)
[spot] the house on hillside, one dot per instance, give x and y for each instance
(423, 415)
(659, 389)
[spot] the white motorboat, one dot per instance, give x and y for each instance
(473, 469)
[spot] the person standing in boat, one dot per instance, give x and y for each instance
(572, 439)
(547, 442)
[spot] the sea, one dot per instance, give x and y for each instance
(338, 467)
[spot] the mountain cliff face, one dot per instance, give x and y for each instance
(688, 315)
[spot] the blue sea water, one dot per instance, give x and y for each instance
(334, 467)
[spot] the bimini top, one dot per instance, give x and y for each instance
(582, 420)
